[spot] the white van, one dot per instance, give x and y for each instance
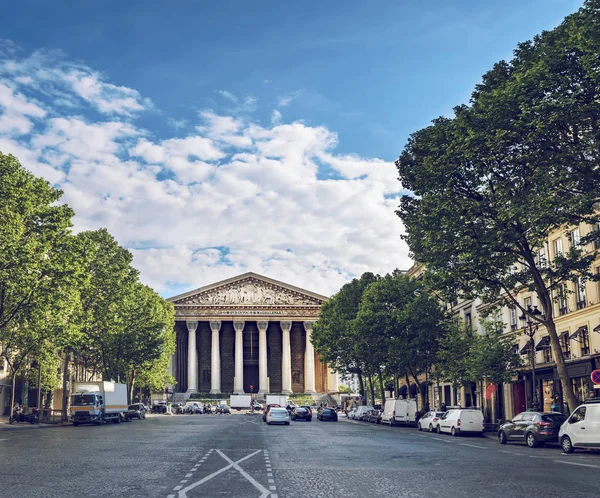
(399, 411)
(463, 421)
(582, 428)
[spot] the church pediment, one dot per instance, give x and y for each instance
(249, 290)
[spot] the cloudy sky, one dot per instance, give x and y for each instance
(214, 138)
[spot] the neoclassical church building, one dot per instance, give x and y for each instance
(248, 333)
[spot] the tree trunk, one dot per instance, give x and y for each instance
(561, 367)
(65, 394)
(12, 392)
(372, 388)
(361, 386)
(131, 384)
(381, 387)
(421, 393)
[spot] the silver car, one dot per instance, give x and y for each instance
(278, 416)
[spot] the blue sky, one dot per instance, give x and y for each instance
(182, 97)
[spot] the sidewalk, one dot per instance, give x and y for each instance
(5, 426)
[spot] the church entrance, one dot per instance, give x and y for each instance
(250, 357)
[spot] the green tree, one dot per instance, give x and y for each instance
(401, 325)
(335, 336)
(453, 356)
(521, 161)
(38, 275)
(492, 358)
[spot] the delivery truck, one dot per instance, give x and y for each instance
(240, 401)
(98, 402)
(277, 399)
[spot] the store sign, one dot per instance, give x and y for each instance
(595, 376)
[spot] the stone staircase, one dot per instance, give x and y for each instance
(326, 399)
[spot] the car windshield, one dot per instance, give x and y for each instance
(278, 411)
(554, 417)
(83, 400)
(300, 410)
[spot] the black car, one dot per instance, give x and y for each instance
(137, 410)
(327, 414)
(534, 428)
(300, 413)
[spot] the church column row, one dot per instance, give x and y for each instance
(238, 383)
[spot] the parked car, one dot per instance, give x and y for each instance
(301, 413)
(374, 416)
(582, 428)
(136, 410)
(351, 414)
(193, 407)
(277, 415)
(268, 409)
(462, 421)
(429, 421)
(534, 428)
(361, 411)
(224, 408)
(327, 414)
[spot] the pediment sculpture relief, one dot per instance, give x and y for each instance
(250, 292)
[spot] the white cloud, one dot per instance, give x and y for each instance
(177, 123)
(287, 99)
(260, 191)
(228, 95)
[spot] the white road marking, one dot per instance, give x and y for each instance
(248, 477)
(438, 438)
(577, 463)
(183, 492)
(474, 446)
(3, 439)
(188, 475)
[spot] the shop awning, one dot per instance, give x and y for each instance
(526, 349)
(596, 329)
(575, 335)
(562, 334)
(543, 344)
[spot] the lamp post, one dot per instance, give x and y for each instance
(530, 327)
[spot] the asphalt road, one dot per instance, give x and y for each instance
(239, 456)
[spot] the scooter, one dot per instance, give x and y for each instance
(19, 416)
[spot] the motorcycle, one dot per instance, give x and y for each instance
(19, 416)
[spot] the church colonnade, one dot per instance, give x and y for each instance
(231, 356)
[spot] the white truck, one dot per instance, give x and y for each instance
(98, 402)
(240, 401)
(278, 399)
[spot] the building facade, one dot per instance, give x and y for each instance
(248, 334)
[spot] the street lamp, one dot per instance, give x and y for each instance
(530, 327)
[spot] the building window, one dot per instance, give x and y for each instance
(547, 354)
(581, 298)
(468, 320)
(575, 238)
(542, 262)
(513, 318)
(527, 303)
(585, 342)
(565, 345)
(562, 299)
(558, 249)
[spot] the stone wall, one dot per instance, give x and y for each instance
(274, 356)
(204, 343)
(227, 344)
(298, 347)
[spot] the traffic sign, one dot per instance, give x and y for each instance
(596, 376)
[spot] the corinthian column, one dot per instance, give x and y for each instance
(192, 371)
(215, 359)
(238, 380)
(262, 356)
(309, 361)
(286, 358)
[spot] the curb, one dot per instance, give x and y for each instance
(22, 427)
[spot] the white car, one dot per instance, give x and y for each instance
(278, 416)
(463, 421)
(351, 413)
(429, 421)
(582, 428)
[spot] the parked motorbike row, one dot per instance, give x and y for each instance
(19, 416)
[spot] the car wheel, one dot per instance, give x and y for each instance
(502, 437)
(420, 428)
(75, 424)
(454, 432)
(439, 429)
(531, 440)
(430, 428)
(566, 444)
(287, 423)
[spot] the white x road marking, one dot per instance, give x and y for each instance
(265, 492)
